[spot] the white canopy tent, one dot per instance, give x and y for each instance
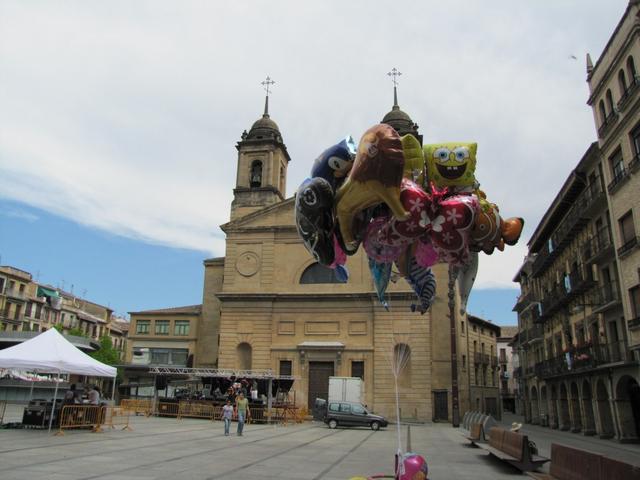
(50, 352)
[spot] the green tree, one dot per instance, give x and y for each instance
(76, 332)
(107, 354)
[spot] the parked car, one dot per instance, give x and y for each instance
(352, 414)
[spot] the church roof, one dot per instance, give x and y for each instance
(400, 120)
(264, 128)
(277, 216)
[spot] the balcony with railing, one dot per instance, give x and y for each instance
(494, 360)
(576, 218)
(593, 197)
(12, 317)
(523, 301)
(599, 247)
(15, 293)
(575, 283)
(605, 297)
(585, 358)
(611, 119)
(481, 358)
(628, 94)
(619, 178)
(552, 302)
(629, 246)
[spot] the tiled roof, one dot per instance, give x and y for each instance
(508, 332)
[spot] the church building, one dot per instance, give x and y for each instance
(267, 304)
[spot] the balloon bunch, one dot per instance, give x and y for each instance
(406, 204)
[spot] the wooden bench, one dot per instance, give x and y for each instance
(476, 434)
(569, 463)
(513, 448)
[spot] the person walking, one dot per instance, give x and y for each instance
(242, 412)
(227, 414)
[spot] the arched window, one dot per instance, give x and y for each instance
(317, 273)
(603, 113)
(402, 364)
(255, 179)
(243, 356)
(631, 70)
(622, 80)
(609, 101)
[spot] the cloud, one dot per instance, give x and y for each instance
(20, 214)
(124, 116)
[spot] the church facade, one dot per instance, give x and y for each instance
(268, 305)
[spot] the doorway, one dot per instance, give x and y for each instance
(441, 406)
(319, 373)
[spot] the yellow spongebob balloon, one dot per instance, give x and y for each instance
(451, 164)
(413, 158)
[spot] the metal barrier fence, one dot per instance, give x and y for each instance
(116, 417)
(258, 414)
(92, 417)
(167, 409)
(196, 410)
(3, 408)
(138, 405)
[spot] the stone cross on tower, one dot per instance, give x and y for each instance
(267, 88)
(394, 74)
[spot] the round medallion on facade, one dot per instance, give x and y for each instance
(248, 264)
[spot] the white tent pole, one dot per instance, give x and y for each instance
(53, 406)
(113, 392)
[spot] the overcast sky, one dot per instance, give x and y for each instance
(123, 116)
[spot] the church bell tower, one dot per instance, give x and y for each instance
(262, 165)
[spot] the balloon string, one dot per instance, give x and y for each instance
(400, 465)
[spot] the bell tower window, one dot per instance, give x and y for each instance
(256, 174)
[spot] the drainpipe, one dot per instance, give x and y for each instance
(612, 403)
(455, 414)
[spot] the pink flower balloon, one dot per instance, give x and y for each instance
(415, 467)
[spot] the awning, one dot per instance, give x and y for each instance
(46, 292)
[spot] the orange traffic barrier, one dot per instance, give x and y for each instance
(116, 417)
(138, 405)
(196, 410)
(301, 415)
(80, 416)
(167, 409)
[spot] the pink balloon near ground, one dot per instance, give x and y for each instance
(415, 467)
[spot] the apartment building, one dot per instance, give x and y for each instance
(506, 367)
(577, 370)
(164, 337)
(481, 367)
(29, 306)
(614, 87)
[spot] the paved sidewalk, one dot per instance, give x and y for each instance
(544, 437)
(166, 448)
